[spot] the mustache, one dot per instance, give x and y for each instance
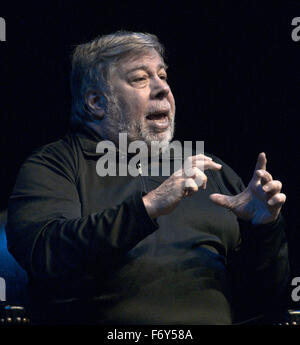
(164, 108)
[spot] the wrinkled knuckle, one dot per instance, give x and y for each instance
(279, 198)
(283, 197)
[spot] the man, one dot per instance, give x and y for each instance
(144, 249)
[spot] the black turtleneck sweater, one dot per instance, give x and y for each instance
(93, 255)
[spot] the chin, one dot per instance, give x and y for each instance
(159, 142)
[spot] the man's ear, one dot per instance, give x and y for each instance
(95, 103)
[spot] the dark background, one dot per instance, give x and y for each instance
(234, 71)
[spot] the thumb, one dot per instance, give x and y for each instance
(221, 200)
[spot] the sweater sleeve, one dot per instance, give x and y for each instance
(260, 269)
(47, 233)
(259, 264)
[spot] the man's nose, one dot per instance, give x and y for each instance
(160, 88)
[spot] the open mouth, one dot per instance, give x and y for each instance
(158, 120)
(157, 116)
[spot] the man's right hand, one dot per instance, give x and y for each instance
(184, 182)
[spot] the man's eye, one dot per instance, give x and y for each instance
(163, 77)
(139, 79)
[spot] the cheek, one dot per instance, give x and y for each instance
(172, 101)
(138, 104)
(129, 103)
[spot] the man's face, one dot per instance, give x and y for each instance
(141, 102)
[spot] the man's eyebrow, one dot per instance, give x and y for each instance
(146, 68)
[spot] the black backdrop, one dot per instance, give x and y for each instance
(234, 71)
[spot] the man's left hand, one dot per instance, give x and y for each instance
(260, 202)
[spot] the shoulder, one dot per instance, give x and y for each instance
(60, 156)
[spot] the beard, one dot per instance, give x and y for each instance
(119, 120)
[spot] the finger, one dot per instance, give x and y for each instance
(201, 156)
(211, 165)
(277, 200)
(202, 162)
(190, 187)
(272, 187)
(263, 176)
(199, 177)
(192, 160)
(222, 200)
(207, 165)
(261, 162)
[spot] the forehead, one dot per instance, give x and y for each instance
(143, 59)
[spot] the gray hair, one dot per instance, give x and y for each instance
(91, 63)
